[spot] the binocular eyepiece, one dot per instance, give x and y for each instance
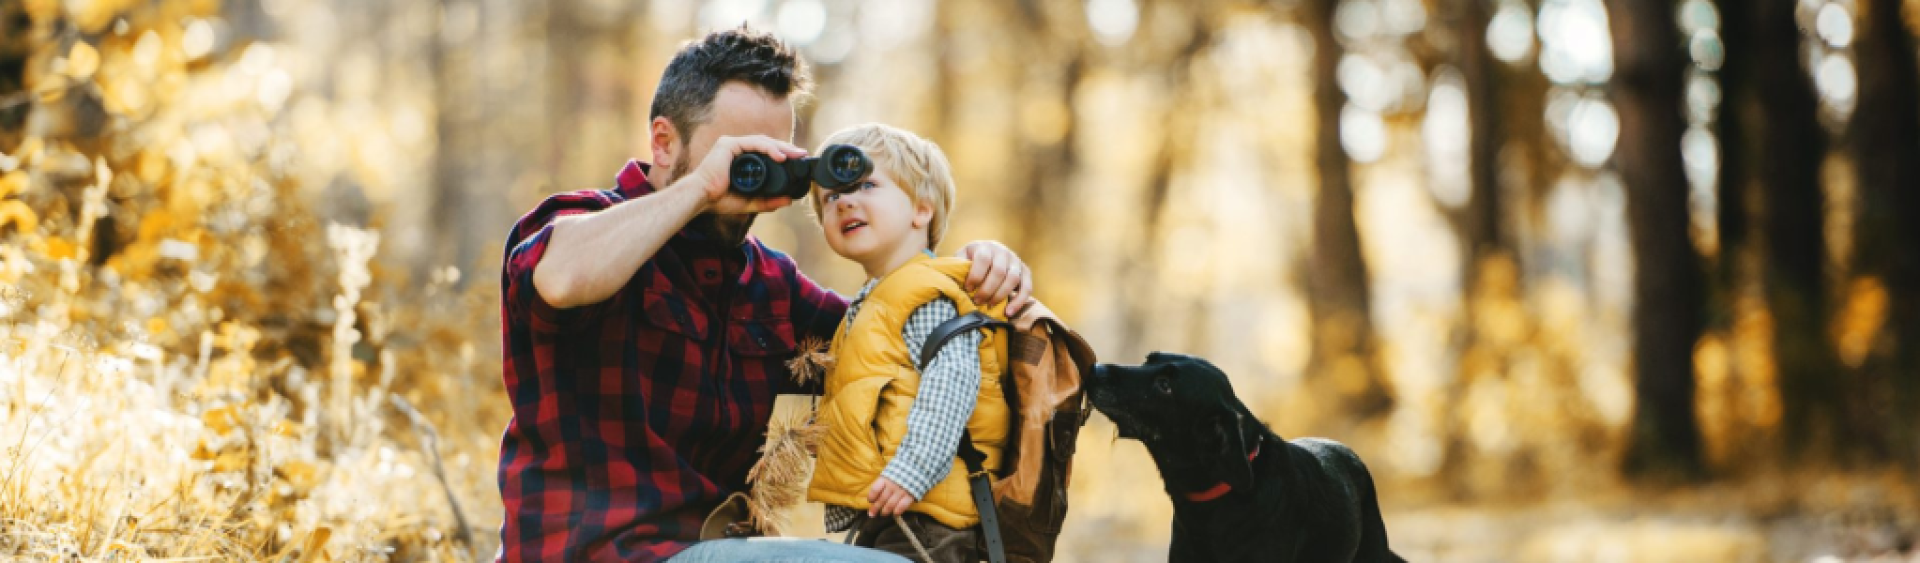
(753, 174)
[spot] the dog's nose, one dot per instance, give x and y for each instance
(1099, 374)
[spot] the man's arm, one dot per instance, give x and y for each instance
(590, 256)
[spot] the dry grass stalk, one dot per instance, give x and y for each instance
(778, 482)
(430, 441)
(813, 362)
(183, 369)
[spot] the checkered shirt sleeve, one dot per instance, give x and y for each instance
(939, 414)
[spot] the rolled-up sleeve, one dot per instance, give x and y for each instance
(527, 244)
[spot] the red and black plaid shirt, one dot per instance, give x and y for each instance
(634, 416)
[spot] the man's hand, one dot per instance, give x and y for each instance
(711, 176)
(887, 498)
(998, 275)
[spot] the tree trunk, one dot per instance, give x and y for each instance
(1784, 121)
(1886, 146)
(1484, 234)
(452, 149)
(1665, 442)
(1338, 297)
(17, 38)
(490, 127)
(1735, 199)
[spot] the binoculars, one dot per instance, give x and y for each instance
(753, 174)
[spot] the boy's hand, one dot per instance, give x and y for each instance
(887, 498)
(998, 274)
(712, 175)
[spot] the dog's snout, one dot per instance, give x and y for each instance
(1099, 375)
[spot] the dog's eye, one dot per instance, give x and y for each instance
(1163, 385)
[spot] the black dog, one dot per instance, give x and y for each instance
(1240, 493)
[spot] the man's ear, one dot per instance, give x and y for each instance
(665, 141)
(1234, 462)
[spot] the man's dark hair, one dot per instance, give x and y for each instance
(687, 88)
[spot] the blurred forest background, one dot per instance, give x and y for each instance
(1583, 280)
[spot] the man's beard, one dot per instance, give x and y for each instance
(730, 227)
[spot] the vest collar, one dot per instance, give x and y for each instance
(1222, 488)
(923, 256)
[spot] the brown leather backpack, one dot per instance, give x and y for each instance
(1022, 507)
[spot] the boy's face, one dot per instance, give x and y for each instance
(873, 220)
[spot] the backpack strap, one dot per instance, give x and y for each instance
(954, 327)
(980, 483)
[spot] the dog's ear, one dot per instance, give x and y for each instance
(1237, 442)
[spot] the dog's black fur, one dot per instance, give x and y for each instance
(1307, 500)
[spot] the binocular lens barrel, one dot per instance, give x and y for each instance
(752, 173)
(755, 174)
(845, 165)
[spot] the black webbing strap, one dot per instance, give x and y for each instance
(954, 327)
(980, 482)
(982, 486)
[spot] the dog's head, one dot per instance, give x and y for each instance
(1185, 411)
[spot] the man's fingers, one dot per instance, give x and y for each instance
(772, 203)
(1023, 293)
(976, 273)
(1006, 271)
(988, 290)
(735, 203)
(779, 150)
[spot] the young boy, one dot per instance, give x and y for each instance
(893, 430)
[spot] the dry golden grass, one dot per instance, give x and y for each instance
(194, 366)
(197, 365)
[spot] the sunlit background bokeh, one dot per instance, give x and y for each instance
(1164, 166)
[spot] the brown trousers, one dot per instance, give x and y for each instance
(944, 544)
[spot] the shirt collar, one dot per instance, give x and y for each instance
(866, 289)
(632, 181)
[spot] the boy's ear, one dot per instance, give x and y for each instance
(922, 215)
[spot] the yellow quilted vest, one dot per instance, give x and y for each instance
(873, 383)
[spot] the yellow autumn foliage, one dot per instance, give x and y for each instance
(169, 321)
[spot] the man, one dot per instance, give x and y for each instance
(646, 334)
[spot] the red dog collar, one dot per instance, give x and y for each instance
(1222, 488)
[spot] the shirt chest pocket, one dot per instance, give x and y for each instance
(674, 314)
(761, 336)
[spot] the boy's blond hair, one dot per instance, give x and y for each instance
(914, 162)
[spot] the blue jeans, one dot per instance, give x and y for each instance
(782, 550)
